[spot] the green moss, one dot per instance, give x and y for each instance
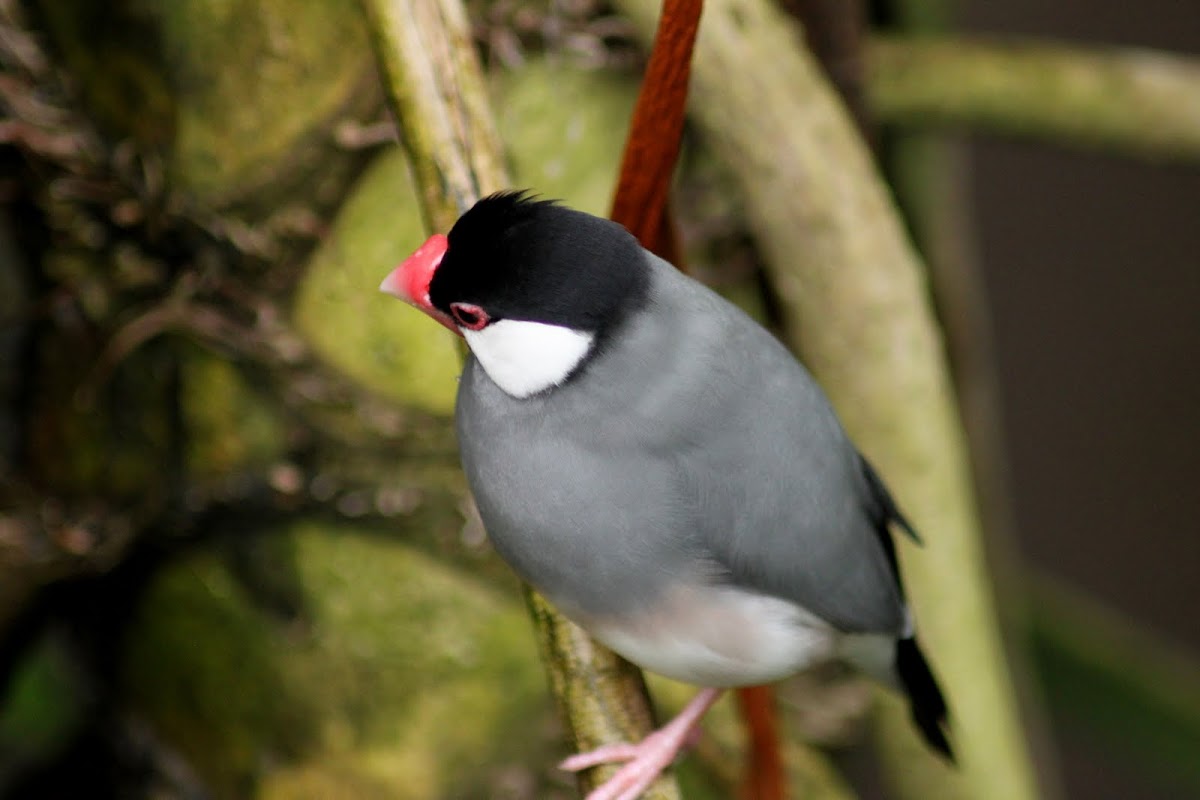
(388, 347)
(206, 668)
(102, 433)
(228, 425)
(114, 53)
(564, 129)
(238, 95)
(403, 678)
(255, 79)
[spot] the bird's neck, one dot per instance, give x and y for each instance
(524, 358)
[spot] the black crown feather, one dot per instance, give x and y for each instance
(523, 257)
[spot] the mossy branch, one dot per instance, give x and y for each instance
(1120, 100)
(435, 85)
(856, 310)
(927, 173)
(602, 697)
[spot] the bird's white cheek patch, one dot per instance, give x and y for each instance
(524, 357)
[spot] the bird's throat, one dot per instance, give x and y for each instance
(524, 357)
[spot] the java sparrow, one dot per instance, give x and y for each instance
(661, 468)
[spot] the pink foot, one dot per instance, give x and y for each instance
(646, 759)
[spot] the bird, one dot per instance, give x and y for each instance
(662, 469)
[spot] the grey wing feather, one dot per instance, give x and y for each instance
(694, 446)
(783, 500)
(890, 512)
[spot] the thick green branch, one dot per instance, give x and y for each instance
(1123, 100)
(434, 82)
(435, 87)
(927, 173)
(857, 311)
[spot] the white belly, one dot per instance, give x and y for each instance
(719, 636)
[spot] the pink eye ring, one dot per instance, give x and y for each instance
(469, 316)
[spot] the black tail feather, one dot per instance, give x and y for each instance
(925, 699)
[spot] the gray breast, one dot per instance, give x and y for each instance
(588, 518)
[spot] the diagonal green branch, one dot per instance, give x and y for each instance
(927, 172)
(1120, 100)
(435, 86)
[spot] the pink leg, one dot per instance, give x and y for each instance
(647, 758)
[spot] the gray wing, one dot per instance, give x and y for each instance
(783, 501)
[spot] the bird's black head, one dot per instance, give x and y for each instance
(512, 256)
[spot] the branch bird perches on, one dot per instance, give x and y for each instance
(436, 90)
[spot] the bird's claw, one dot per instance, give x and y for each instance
(644, 762)
(608, 754)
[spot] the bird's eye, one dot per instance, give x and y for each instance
(470, 316)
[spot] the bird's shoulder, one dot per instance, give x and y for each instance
(782, 499)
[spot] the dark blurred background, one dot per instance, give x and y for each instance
(1092, 272)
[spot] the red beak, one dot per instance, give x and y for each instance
(410, 281)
